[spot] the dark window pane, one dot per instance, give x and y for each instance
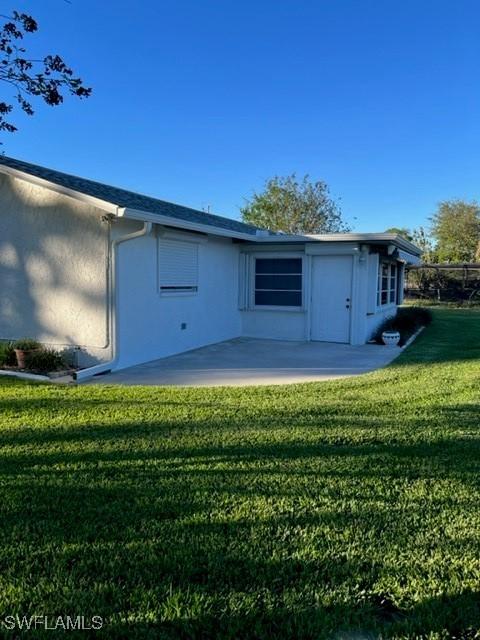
(384, 269)
(384, 284)
(392, 296)
(177, 288)
(279, 298)
(393, 270)
(278, 282)
(278, 265)
(384, 297)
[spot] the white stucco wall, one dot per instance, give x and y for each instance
(279, 325)
(53, 260)
(54, 255)
(150, 323)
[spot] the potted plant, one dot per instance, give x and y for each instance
(391, 337)
(23, 348)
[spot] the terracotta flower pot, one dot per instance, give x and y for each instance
(22, 357)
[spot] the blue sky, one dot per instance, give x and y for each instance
(199, 102)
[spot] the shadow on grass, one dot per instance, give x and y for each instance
(453, 336)
(287, 517)
(454, 617)
(236, 540)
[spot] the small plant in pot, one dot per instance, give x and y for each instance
(23, 349)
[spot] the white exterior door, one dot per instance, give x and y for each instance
(331, 302)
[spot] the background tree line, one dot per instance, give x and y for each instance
(286, 204)
(300, 206)
(454, 234)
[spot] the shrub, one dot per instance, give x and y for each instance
(26, 344)
(45, 360)
(406, 321)
(7, 355)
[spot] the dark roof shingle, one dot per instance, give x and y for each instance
(124, 198)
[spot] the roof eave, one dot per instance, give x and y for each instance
(108, 207)
(126, 212)
(187, 225)
(365, 238)
(371, 238)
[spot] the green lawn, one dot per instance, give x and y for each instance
(303, 511)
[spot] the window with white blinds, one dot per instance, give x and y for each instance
(177, 266)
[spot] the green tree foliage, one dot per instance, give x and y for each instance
(456, 230)
(25, 78)
(294, 206)
(422, 239)
(401, 231)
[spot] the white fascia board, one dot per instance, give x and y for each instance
(311, 239)
(332, 248)
(384, 238)
(167, 233)
(367, 238)
(52, 186)
(273, 247)
(135, 214)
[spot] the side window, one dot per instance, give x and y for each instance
(177, 266)
(278, 282)
(387, 283)
(393, 283)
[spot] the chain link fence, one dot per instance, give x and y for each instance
(452, 283)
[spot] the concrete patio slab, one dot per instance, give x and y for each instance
(249, 361)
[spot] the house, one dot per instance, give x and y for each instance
(123, 278)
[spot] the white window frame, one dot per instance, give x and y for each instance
(389, 264)
(278, 256)
(177, 290)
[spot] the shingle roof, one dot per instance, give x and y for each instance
(124, 198)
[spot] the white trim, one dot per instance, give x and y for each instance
(308, 264)
(354, 297)
(134, 214)
(368, 238)
(298, 247)
(182, 236)
(243, 280)
(389, 304)
(332, 249)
